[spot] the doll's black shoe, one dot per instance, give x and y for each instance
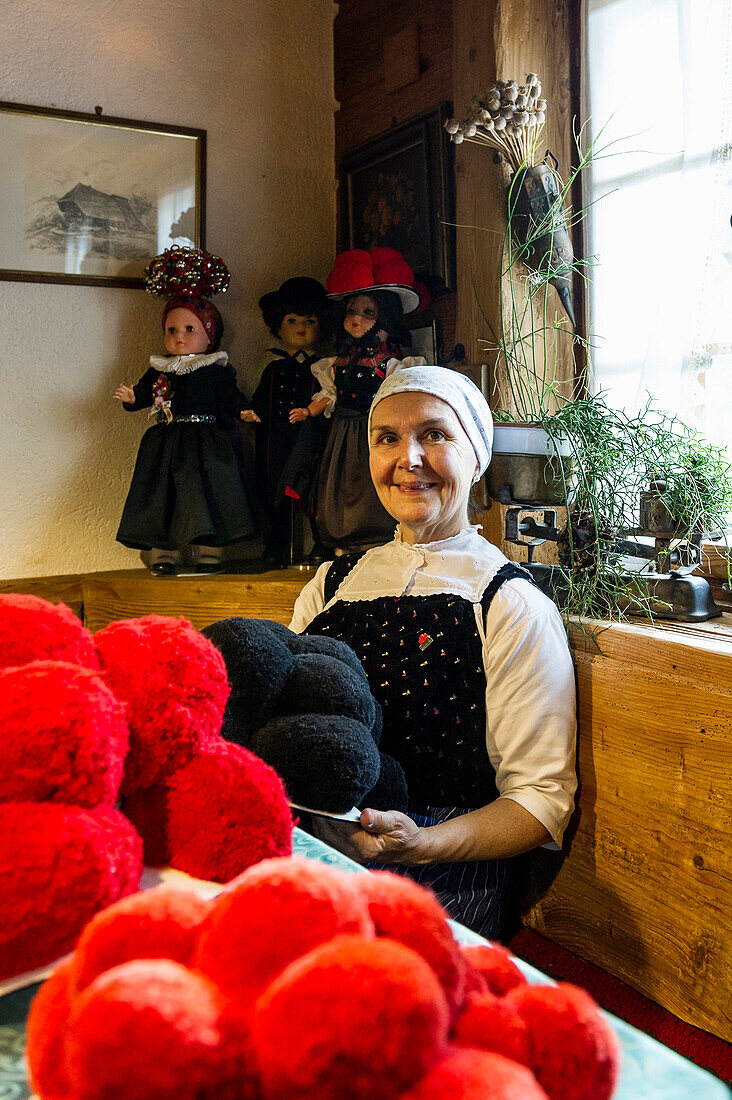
(209, 567)
(162, 569)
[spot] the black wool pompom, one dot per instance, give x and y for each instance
(325, 761)
(330, 647)
(258, 664)
(325, 685)
(390, 790)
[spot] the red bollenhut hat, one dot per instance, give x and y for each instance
(358, 271)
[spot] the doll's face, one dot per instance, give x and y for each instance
(184, 333)
(299, 332)
(362, 313)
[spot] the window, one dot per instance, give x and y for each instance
(659, 79)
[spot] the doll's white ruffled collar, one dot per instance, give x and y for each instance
(186, 364)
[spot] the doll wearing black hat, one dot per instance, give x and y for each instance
(297, 315)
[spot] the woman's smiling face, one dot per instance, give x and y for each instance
(422, 465)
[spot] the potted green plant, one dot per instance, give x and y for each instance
(647, 478)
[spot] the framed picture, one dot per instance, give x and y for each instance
(396, 190)
(425, 341)
(90, 199)
(478, 373)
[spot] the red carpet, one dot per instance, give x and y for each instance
(613, 995)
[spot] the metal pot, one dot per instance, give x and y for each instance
(528, 466)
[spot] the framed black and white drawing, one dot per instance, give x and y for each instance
(90, 199)
(396, 191)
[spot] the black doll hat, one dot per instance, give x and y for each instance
(299, 295)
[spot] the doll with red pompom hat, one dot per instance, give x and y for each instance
(187, 488)
(375, 288)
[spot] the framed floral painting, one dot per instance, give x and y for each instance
(397, 191)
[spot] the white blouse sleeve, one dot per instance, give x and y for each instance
(311, 600)
(324, 374)
(531, 704)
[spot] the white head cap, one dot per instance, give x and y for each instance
(457, 391)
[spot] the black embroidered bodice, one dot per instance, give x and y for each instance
(356, 382)
(286, 383)
(423, 656)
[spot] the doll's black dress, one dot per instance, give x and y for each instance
(187, 484)
(286, 383)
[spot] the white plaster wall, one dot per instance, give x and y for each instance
(257, 75)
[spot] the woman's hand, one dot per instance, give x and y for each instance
(250, 416)
(296, 415)
(382, 836)
(126, 394)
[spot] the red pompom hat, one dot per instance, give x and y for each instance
(358, 271)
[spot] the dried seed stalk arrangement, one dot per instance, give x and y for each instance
(508, 117)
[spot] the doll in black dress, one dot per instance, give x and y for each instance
(297, 315)
(187, 487)
(373, 289)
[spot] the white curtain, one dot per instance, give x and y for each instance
(659, 80)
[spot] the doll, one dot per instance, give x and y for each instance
(375, 289)
(296, 315)
(187, 487)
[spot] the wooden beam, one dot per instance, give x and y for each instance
(504, 39)
(202, 600)
(64, 589)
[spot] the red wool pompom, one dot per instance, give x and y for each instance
(243, 804)
(495, 964)
(161, 923)
(390, 267)
(58, 866)
(46, 1034)
(174, 682)
(476, 1075)
(148, 1028)
(489, 1023)
(32, 629)
(64, 735)
(147, 809)
(475, 983)
(283, 906)
(573, 1050)
(353, 1018)
(405, 911)
(352, 270)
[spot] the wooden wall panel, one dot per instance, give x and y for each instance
(63, 589)
(202, 600)
(646, 889)
(367, 109)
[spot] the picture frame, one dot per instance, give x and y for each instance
(425, 340)
(90, 199)
(479, 373)
(396, 190)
